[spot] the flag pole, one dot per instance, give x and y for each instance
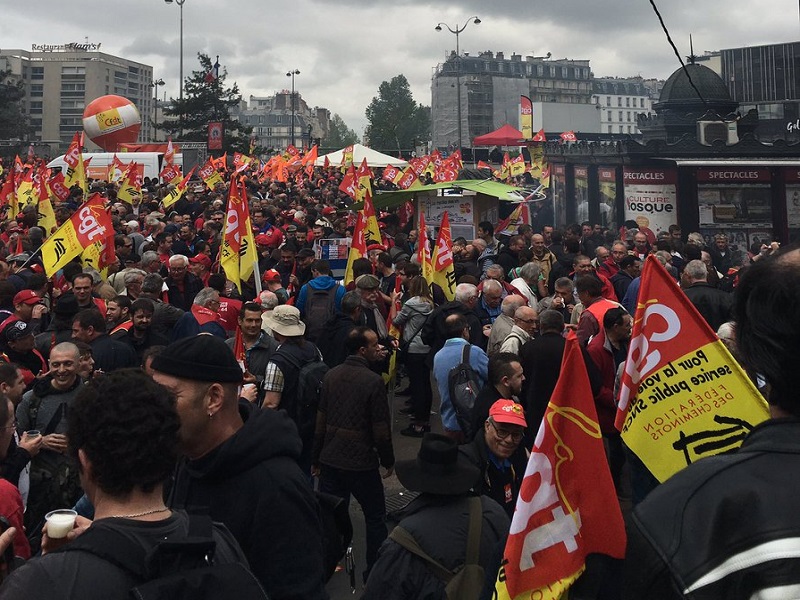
(35, 252)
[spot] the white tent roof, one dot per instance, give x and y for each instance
(374, 158)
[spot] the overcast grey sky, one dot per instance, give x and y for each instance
(345, 49)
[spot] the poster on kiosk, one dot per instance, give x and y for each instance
(651, 197)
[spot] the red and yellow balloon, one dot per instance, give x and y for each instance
(110, 121)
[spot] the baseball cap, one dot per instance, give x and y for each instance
(16, 331)
(271, 275)
(508, 411)
(26, 297)
(201, 259)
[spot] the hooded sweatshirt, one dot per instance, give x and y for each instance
(253, 484)
(321, 283)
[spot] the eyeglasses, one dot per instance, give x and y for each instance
(527, 320)
(504, 434)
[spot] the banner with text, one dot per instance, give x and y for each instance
(682, 395)
(651, 197)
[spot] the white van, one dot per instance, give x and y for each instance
(98, 167)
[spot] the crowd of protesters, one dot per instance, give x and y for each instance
(236, 361)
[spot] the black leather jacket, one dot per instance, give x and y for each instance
(726, 527)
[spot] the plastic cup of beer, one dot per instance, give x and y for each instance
(60, 522)
(33, 433)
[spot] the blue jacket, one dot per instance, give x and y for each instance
(446, 359)
(323, 282)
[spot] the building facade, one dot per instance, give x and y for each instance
(490, 85)
(765, 78)
(271, 120)
(60, 81)
(619, 101)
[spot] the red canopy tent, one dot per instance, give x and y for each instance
(505, 136)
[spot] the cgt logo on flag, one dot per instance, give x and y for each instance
(567, 506)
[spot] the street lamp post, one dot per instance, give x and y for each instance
(457, 31)
(180, 90)
(291, 74)
(155, 85)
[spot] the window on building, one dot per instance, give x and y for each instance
(36, 124)
(620, 118)
(610, 129)
(610, 116)
(608, 100)
(36, 108)
(73, 70)
(627, 101)
(619, 100)
(629, 115)
(540, 70)
(552, 71)
(641, 102)
(37, 90)
(564, 72)
(629, 129)
(37, 72)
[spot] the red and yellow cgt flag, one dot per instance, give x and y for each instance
(347, 156)
(444, 274)
(424, 249)
(170, 173)
(526, 117)
(349, 184)
(130, 186)
(409, 180)
(567, 506)
(177, 192)
(209, 174)
(364, 178)
(392, 174)
(89, 224)
(516, 166)
(76, 170)
(238, 251)
(682, 395)
(358, 248)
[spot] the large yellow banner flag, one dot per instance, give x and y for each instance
(238, 250)
(177, 193)
(682, 395)
(87, 225)
(444, 274)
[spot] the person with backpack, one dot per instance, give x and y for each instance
(293, 379)
(241, 467)
(123, 429)
(319, 299)
(449, 543)
(354, 435)
(461, 371)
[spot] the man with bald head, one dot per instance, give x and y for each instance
(53, 476)
(503, 324)
(526, 322)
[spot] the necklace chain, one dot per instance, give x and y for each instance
(143, 514)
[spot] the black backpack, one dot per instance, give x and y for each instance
(173, 569)
(463, 383)
(303, 408)
(320, 307)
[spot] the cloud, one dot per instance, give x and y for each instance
(345, 49)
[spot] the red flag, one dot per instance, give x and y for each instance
(569, 136)
(567, 506)
(238, 348)
(390, 173)
(408, 179)
(326, 163)
(484, 165)
(349, 183)
(169, 155)
(682, 395)
(540, 137)
(405, 213)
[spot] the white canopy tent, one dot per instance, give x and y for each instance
(374, 158)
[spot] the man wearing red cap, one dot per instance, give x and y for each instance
(498, 453)
(28, 307)
(272, 283)
(200, 266)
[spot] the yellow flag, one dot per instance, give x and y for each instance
(177, 192)
(364, 178)
(238, 251)
(87, 225)
(28, 191)
(130, 187)
(424, 249)
(76, 171)
(372, 234)
(444, 274)
(47, 218)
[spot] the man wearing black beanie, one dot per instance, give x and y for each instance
(241, 465)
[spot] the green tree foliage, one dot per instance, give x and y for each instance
(395, 120)
(340, 134)
(13, 123)
(204, 102)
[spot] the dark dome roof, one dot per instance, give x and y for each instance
(677, 89)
